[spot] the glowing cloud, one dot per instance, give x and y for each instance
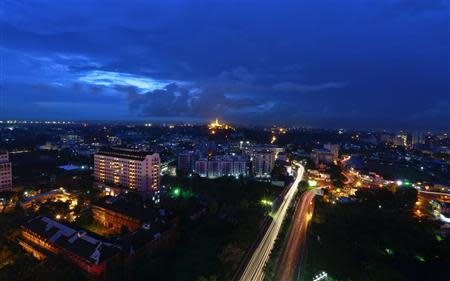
(111, 79)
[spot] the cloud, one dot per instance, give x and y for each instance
(115, 79)
(385, 58)
(307, 88)
(193, 101)
(236, 94)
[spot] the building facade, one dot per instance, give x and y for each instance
(333, 148)
(42, 236)
(5, 172)
(417, 138)
(263, 157)
(127, 168)
(401, 140)
(322, 156)
(113, 219)
(220, 166)
(263, 163)
(186, 161)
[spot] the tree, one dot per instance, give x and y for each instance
(405, 198)
(231, 255)
(336, 176)
(303, 185)
(279, 172)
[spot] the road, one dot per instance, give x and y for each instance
(254, 271)
(292, 255)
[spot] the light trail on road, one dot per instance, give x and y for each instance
(291, 256)
(254, 270)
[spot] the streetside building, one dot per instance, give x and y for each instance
(263, 163)
(263, 157)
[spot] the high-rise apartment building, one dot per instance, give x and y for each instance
(417, 138)
(263, 163)
(401, 140)
(128, 168)
(220, 166)
(251, 150)
(5, 172)
(186, 161)
(333, 148)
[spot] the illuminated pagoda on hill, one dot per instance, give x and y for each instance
(215, 126)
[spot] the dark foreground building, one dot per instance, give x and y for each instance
(42, 236)
(98, 257)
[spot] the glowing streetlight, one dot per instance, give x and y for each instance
(312, 183)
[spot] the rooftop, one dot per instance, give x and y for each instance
(130, 205)
(88, 246)
(124, 153)
(321, 150)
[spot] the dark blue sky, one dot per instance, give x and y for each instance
(323, 63)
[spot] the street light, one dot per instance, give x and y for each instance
(312, 183)
(265, 202)
(321, 276)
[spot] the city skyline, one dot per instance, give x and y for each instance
(219, 140)
(359, 64)
(119, 201)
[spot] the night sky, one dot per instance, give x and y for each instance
(322, 63)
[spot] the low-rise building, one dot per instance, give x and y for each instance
(152, 230)
(42, 236)
(322, 156)
(125, 212)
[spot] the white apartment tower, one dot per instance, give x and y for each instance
(128, 168)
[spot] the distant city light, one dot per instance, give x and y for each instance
(274, 138)
(420, 258)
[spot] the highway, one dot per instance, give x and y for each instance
(254, 271)
(292, 255)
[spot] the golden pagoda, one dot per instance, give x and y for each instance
(216, 125)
